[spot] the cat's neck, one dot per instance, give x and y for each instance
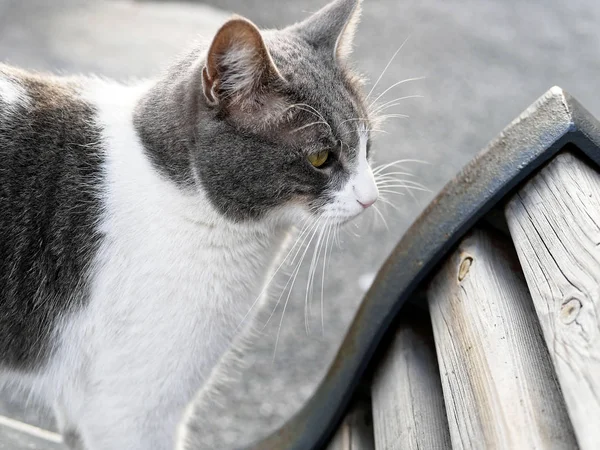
(167, 116)
(176, 223)
(150, 114)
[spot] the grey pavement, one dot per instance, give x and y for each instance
(483, 63)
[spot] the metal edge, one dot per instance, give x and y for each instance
(542, 130)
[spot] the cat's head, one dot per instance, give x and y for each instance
(285, 128)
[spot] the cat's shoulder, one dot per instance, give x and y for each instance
(22, 91)
(13, 89)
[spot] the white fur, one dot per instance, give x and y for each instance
(359, 192)
(11, 93)
(172, 282)
(343, 45)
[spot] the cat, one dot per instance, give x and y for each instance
(138, 223)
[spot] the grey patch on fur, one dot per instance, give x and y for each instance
(247, 165)
(72, 439)
(50, 159)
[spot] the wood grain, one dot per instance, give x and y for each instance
(356, 430)
(497, 377)
(408, 404)
(555, 223)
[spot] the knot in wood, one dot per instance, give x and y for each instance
(465, 266)
(570, 310)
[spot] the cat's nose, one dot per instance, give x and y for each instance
(365, 188)
(366, 197)
(367, 203)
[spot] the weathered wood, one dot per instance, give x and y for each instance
(555, 223)
(408, 404)
(498, 381)
(356, 430)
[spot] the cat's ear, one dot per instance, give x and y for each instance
(238, 63)
(333, 27)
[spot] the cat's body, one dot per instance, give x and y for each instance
(138, 224)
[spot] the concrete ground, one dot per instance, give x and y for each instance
(483, 63)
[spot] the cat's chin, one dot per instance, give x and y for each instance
(340, 220)
(346, 220)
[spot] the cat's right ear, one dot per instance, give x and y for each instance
(332, 27)
(238, 64)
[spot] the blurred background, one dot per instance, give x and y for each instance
(482, 63)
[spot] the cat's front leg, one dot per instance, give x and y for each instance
(113, 421)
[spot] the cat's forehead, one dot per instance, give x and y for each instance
(319, 89)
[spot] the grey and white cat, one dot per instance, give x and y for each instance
(138, 223)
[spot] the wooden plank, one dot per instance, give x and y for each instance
(356, 430)
(408, 404)
(555, 223)
(497, 377)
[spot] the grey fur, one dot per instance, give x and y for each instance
(324, 28)
(249, 156)
(49, 170)
(250, 159)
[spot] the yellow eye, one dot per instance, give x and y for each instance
(319, 158)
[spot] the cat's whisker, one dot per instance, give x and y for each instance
(306, 224)
(388, 179)
(385, 174)
(313, 228)
(386, 68)
(310, 228)
(407, 187)
(347, 133)
(413, 196)
(370, 129)
(391, 103)
(311, 110)
(297, 270)
(381, 167)
(385, 117)
(377, 130)
(391, 192)
(387, 202)
(324, 250)
(395, 180)
(377, 119)
(304, 107)
(294, 271)
(398, 162)
(329, 229)
(310, 281)
(376, 209)
(404, 186)
(382, 119)
(309, 125)
(355, 119)
(393, 86)
(337, 234)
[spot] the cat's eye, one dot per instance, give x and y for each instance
(319, 158)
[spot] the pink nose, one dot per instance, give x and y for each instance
(366, 204)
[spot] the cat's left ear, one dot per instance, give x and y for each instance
(238, 64)
(333, 27)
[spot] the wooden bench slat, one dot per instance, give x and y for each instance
(555, 223)
(356, 430)
(498, 381)
(408, 405)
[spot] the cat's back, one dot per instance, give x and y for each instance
(50, 172)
